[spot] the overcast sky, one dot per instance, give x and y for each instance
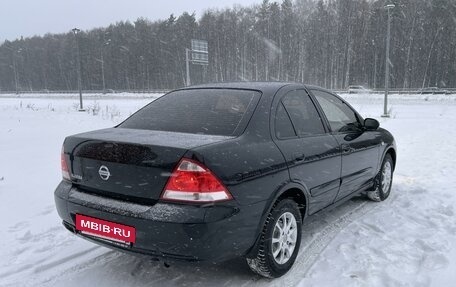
(38, 17)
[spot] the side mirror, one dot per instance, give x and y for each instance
(371, 124)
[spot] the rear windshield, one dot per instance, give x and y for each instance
(200, 111)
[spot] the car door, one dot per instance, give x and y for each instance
(312, 154)
(360, 148)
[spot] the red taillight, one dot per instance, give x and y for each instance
(193, 182)
(64, 166)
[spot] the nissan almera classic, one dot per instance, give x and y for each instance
(214, 172)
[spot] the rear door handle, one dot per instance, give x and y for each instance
(346, 148)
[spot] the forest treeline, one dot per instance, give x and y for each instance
(331, 43)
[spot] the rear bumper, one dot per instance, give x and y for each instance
(184, 232)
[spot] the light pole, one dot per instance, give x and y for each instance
(387, 61)
(106, 43)
(76, 32)
(187, 67)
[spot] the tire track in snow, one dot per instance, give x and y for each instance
(309, 253)
(81, 266)
(318, 232)
(64, 260)
(33, 268)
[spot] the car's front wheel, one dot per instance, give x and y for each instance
(279, 242)
(384, 181)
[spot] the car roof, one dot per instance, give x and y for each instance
(260, 86)
(244, 85)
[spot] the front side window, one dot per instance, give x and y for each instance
(340, 116)
(303, 113)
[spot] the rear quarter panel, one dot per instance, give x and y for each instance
(252, 170)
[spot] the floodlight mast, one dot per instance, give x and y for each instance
(187, 66)
(387, 65)
(76, 32)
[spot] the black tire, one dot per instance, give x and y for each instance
(263, 262)
(382, 188)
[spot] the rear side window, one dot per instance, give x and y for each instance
(199, 111)
(283, 126)
(303, 113)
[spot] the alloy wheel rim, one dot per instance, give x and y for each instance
(284, 238)
(386, 177)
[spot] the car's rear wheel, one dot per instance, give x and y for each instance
(279, 242)
(384, 181)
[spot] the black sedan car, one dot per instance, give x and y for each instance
(214, 172)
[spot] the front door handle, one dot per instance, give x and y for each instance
(299, 157)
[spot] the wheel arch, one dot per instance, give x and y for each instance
(392, 152)
(298, 196)
(292, 190)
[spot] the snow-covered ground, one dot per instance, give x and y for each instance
(408, 240)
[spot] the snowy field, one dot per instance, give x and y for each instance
(408, 240)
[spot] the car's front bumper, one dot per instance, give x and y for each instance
(164, 230)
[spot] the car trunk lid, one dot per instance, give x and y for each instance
(128, 164)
